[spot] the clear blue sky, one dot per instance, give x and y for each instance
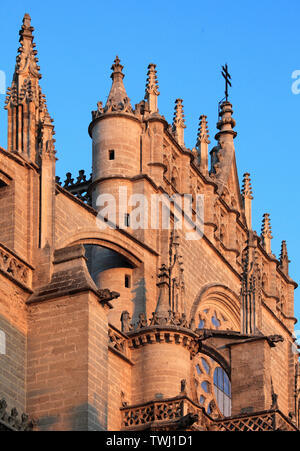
(77, 42)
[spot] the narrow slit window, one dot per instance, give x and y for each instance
(127, 281)
(127, 220)
(111, 154)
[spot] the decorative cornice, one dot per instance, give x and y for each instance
(164, 334)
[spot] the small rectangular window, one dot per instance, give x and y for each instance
(127, 220)
(111, 154)
(127, 281)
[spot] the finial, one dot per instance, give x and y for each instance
(284, 259)
(27, 20)
(227, 79)
(266, 232)
(27, 60)
(152, 91)
(247, 198)
(179, 122)
(117, 69)
(117, 100)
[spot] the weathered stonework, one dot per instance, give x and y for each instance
(116, 328)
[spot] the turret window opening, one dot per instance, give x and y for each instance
(127, 281)
(111, 154)
(127, 220)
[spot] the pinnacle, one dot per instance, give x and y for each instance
(247, 188)
(178, 120)
(151, 83)
(284, 259)
(27, 61)
(117, 100)
(117, 68)
(203, 132)
(283, 252)
(266, 229)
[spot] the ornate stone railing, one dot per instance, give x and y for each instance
(176, 412)
(12, 422)
(272, 420)
(14, 267)
(79, 188)
(183, 414)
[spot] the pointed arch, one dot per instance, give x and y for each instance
(221, 303)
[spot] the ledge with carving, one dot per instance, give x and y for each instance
(12, 422)
(118, 343)
(15, 268)
(269, 420)
(179, 413)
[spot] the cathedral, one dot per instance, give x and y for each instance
(115, 319)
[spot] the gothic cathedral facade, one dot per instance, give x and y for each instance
(108, 326)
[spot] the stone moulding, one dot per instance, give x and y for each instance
(15, 268)
(157, 334)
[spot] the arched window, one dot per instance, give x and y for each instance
(212, 387)
(212, 318)
(222, 388)
(216, 307)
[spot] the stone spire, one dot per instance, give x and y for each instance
(152, 92)
(178, 122)
(266, 233)
(223, 155)
(163, 303)
(202, 144)
(27, 61)
(247, 199)
(284, 259)
(25, 104)
(117, 100)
